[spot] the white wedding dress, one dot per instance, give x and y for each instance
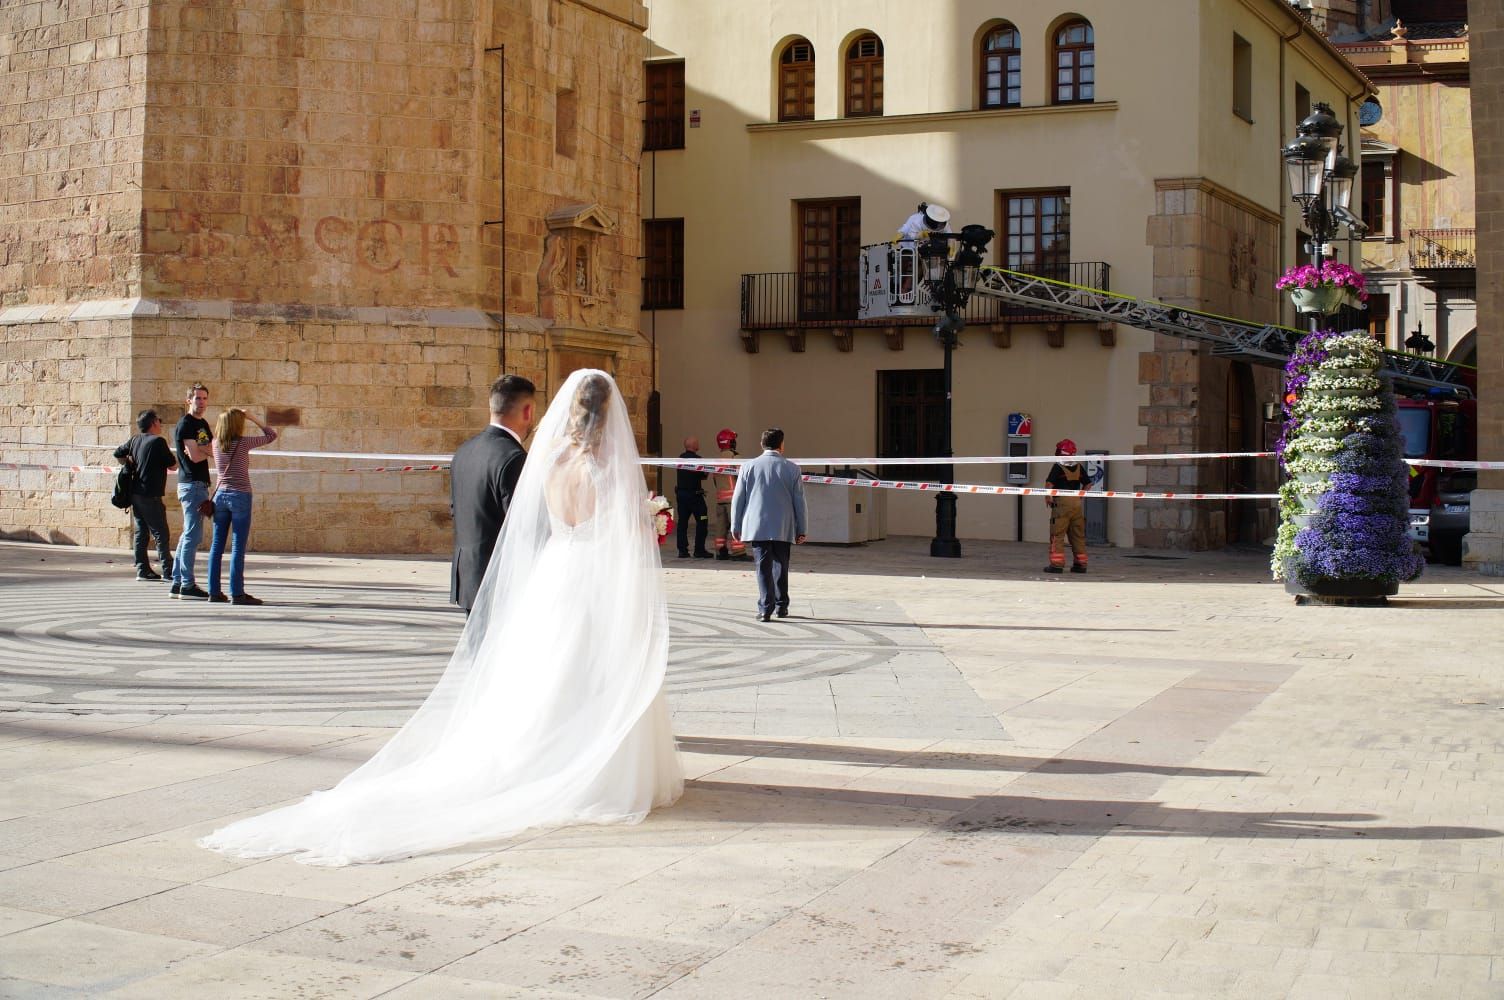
(551, 711)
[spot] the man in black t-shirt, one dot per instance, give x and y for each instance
(153, 461)
(193, 439)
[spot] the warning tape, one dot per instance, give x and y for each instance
(1444, 463)
(882, 484)
(986, 459)
(1029, 491)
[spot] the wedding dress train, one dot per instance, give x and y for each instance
(551, 711)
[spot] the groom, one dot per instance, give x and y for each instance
(482, 478)
(767, 512)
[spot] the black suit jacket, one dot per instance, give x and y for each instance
(482, 479)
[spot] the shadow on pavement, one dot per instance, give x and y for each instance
(969, 628)
(1025, 819)
(939, 759)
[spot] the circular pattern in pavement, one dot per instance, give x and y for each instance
(102, 647)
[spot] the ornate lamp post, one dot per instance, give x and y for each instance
(1321, 182)
(951, 280)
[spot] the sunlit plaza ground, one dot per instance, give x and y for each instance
(938, 778)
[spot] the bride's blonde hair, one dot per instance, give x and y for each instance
(587, 413)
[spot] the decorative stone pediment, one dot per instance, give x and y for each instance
(574, 286)
(587, 217)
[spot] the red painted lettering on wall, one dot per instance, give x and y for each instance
(372, 246)
(378, 246)
(329, 229)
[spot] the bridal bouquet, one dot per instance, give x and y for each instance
(661, 511)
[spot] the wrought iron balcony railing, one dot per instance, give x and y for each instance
(786, 300)
(1437, 249)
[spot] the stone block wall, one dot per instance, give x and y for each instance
(72, 116)
(304, 211)
(1217, 252)
(65, 400)
(1484, 546)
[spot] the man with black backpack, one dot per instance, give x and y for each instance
(151, 460)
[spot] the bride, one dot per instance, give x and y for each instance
(551, 710)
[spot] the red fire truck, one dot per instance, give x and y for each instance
(1440, 424)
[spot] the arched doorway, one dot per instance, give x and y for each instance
(1242, 518)
(1466, 351)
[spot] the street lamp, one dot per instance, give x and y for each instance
(951, 280)
(1321, 182)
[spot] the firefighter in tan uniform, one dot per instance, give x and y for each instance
(726, 547)
(1067, 514)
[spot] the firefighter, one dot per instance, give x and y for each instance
(1067, 519)
(726, 547)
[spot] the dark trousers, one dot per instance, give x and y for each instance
(770, 560)
(150, 515)
(692, 505)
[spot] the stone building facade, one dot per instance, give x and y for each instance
(1483, 548)
(302, 206)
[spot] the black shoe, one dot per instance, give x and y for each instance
(1078, 568)
(218, 599)
(1053, 569)
(246, 599)
(704, 555)
(722, 554)
(167, 573)
(173, 593)
(683, 555)
(763, 616)
(193, 592)
(783, 612)
(146, 574)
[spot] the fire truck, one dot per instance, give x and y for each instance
(1440, 424)
(1438, 408)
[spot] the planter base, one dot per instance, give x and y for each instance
(1343, 593)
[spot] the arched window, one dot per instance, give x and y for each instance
(864, 77)
(1002, 68)
(796, 82)
(1075, 64)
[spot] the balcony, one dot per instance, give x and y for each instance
(788, 300)
(1443, 249)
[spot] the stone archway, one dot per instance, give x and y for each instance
(1466, 351)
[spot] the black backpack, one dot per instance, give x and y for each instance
(125, 484)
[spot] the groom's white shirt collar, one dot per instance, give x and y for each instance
(508, 430)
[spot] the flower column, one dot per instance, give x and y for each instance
(1344, 529)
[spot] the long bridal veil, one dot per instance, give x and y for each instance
(549, 712)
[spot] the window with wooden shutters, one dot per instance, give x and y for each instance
(911, 423)
(1038, 228)
(1375, 190)
(663, 264)
(1075, 64)
(663, 121)
(1002, 68)
(864, 77)
(830, 245)
(796, 82)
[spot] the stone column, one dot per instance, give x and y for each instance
(1484, 546)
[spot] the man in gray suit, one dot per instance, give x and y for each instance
(767, 512)
(482, 478)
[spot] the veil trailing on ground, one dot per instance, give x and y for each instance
(532, 724)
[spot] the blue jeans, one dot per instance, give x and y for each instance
(189, 495)
(232, 516)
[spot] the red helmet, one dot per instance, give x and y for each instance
(1065, 447)
(726, 438)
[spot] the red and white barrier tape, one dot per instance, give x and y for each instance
(1029, 491)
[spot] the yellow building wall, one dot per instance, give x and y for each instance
(736, 187)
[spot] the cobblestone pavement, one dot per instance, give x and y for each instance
(938, 779)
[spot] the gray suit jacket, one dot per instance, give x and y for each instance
(768, 505)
